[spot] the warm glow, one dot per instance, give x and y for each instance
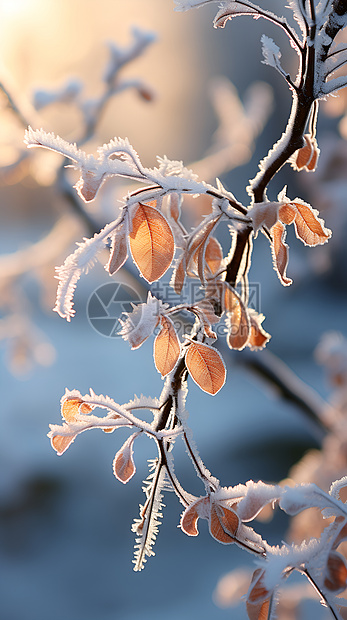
(15, 7)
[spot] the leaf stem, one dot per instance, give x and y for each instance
(304, 571)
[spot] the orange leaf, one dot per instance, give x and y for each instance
(258, 337)
(258, 591)
(191, 515)
(72, 407)
(208, 257)
(313, 161)
(151, 242)
(206, 367)
(119, 251)
(308, 226)
(198, 242)
(150, 203)
(213, 254)
(166, 347)
(287, 213)
(224, 524)
(60, 443)
(179, 275)
(258, 611)
(280, 252)
(238, 321)
(111, 429)
(304, 154)
(123, 463)
(336, 573)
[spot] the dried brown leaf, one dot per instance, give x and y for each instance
(213, 255)
(123, 463)
(308, 226)
(179, 275)
(119, 250)
(287, 213)
(306, 157)
(195, 252)
(238, 320)
(224, 524)
(304, 154)
(88, 184)
(72, 407)
(258, 592)
(258, 611)
(166, 347)
(313, 161)
(191, 515)
(208, 258)
(60, 443)
(151, 242)
(280, 252)
(258, 337)
(206, 367)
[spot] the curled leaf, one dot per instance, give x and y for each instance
(196, 250)
(237, 319)
(206, 367)
(233, 9)
(89, 183)
(258, 337)
(213, 255)
(151, 242)
(179, 275)
(258, 591)
(72, 407)
(123, 463)
(304, 154)
(280, 252)
(141, 322)
(306, 158)
(166, 347)
(119, 250)
(191, 515)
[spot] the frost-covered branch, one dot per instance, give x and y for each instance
(150, 231)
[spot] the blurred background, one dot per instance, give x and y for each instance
(65, 538)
